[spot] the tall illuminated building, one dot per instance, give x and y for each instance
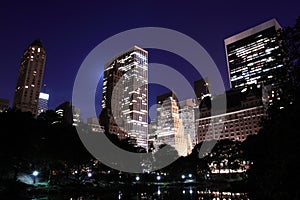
(170, 129)
(125, 87)
(43, 102)
(187, 116)
(30, 78)
(254, 56)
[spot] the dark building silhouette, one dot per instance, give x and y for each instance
(161, 98)
(4, 104)
(201, 88)
(68, 114)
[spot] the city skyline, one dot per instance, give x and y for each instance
(149, 100)
(67, 51)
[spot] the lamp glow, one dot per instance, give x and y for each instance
(35, 173)
(158, 178)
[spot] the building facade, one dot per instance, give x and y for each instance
(125, 96)
(30, 78)
(245, 111)
(94, 126)
(169, 128)
(254, 56)
(43, 102)
(187, 116)
(68, 114)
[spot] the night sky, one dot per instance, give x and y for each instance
(70, 30)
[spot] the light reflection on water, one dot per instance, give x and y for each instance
(158, 193)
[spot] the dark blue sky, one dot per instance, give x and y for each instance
(70, 30)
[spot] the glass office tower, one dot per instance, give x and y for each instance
(125, 96)
(254, 56)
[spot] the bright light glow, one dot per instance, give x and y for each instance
(35, 173)
(120, 195)
(244, 90)
(137, 178)
(44, 96)
(183, 176)
(158, 178)
(89, 174)
(190, 175)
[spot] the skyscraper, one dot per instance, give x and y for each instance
(125, 96)
(254, 56)
(30, 78)
(169, 125)
(187, 115)
(43, 102)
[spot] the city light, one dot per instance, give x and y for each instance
(35, 173)
(183, 176)
(191, 191)
(158, 178)
(89, 174)
(137, 178)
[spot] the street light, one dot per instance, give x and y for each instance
(190, 175)
(158, 178)
(137, 178)
(183, 176)
(35, 174)
(89, 174)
